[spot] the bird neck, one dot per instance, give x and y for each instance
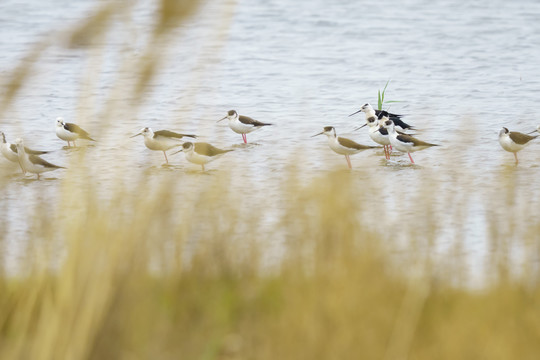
(370, 112)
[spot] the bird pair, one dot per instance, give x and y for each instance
(28, 159)
(198, 153)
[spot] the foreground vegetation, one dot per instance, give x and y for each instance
(162, 282)
(138, 277)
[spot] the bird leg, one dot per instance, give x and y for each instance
(74, 145)
(410, 157)
(386, 152)
(244, 137)
(348, 161)
(166, 160)
(202, 167)
(515, 155)
(23, 171)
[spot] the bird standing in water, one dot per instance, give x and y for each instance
(70, 132)
(513, 141)
(241, 124)
(161, 140)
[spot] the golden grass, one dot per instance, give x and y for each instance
(120, 286)
(137, 277)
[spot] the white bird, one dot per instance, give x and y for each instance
(33, 163)
(70, 132)
(370, 112)
(201, 153)
(241, 124)
(161, 140)
(404, 142)
(513, 141)
(341, 145)
(378, 133)
(10, 151)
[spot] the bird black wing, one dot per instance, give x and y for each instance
(401, 123)
(390, 115)
(396, 118)
(406, 139)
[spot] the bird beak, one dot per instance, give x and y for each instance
(221, 119)
(135, 135)
(318, 134)
(356, 112)
(177, 151)
(532, 132)
(358, 128)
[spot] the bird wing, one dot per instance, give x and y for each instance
(39, 161)
(409, 139)
(351, 144)
(520, 138)
(401, 123)
(249, 121)
(209, 150)
(390, 115)
(172, 134)
(74, 128)
(34, 152)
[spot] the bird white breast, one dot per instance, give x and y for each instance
(338, 148)
(508, 145)
(379, 138)
(6, 151)
(161, 143)
(241, 128)
(66, 135)
(401, 146)
(29, 166)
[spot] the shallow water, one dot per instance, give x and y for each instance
(461, 72)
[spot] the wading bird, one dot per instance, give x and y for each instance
(161, 140)
(341, 145)
(241, 124)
